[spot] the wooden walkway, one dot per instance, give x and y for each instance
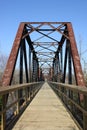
(46, 112)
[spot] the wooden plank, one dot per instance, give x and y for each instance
(46, 112)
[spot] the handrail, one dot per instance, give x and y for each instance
(75, 88)
(5, 90)
(69, 94)
(22, 94)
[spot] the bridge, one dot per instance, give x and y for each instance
(43, 85)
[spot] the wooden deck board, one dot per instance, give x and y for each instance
(46, 112)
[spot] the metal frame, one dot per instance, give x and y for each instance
(76, 110)
(27, 98)
(52, 48)
(48, 61)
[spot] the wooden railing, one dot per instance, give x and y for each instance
(70, 95)
(14, 100)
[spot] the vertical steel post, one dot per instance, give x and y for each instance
(37, 71)
(61, 53)
(21, 63)
(69, 63)
(69, 71)
(53, 71)
(21, 67)
(58, 68)
(25, 59)
(75, 57)
(61, 69)
(29, 64)
(33, 67)
(65, 64)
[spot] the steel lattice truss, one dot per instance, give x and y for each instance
(52, 49)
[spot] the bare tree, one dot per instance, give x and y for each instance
(3, 61)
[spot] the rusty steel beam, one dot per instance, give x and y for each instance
(48, 53)
(43, 36)
(24, 33)
(45, 60)
(8, 73)
(46, 43)
(75, 57)
(45, 23)
(47, 36)
(32, 29)
(59, 30)
(46, 48)
(45, 55)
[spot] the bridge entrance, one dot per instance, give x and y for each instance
(46, 112)
(43, 51)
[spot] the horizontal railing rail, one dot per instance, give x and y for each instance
(70, 95)
(13, 101)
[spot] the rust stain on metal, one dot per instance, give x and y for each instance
(66, 33)
(7, 76)
(75, 57)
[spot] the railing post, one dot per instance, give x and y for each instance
(84, 122)
(65, 99)
(85, 115)
(18, 107)
(26, 94)
(71, 104)
(29, 93)
(32, 90)
(3, 117)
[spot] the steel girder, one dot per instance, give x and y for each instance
(48, 37)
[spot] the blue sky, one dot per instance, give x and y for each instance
(12, 12)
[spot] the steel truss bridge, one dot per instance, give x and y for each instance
(44, 51)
